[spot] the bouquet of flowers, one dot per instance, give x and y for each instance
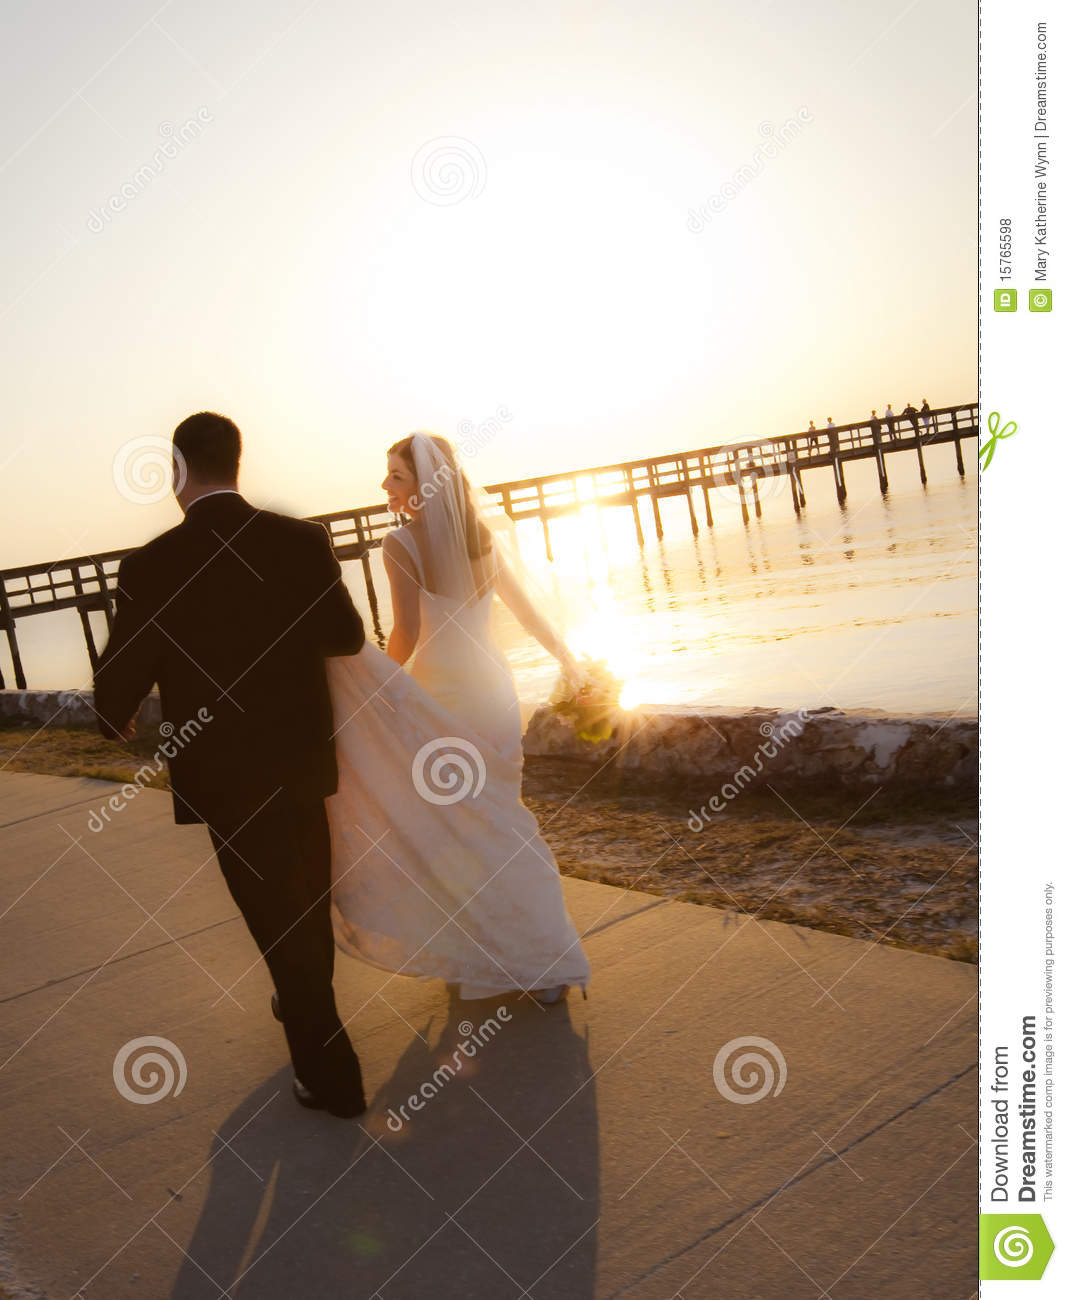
(590, 702)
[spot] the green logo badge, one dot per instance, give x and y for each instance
(1013, 1247)
(993, 423)
(1040, 300)
(1004, 299)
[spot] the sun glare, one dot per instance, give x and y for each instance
(574, 314)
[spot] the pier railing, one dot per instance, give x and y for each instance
(87, 583)
(736, 464)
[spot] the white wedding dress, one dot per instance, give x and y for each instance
(438, 868)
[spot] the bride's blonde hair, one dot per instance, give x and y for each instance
(476, 532)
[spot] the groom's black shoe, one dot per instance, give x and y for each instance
(308, 1099)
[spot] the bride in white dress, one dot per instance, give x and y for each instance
(438, 868)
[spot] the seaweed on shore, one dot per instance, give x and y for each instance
(888, 865)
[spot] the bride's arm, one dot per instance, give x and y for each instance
(404, 591)
(531, 618)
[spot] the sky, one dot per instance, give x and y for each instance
(525, 226)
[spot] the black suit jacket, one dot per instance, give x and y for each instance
(232, 613)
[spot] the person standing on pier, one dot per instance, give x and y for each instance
(890, 417)
(874, 424)
(925, 417)
(913, 416)
(813, 435)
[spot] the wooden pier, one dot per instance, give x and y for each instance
(744, 466)
(87, 582)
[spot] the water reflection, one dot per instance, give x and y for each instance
(846, 605)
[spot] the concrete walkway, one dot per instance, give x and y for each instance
(584, 1151)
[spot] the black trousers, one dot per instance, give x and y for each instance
(277, 867)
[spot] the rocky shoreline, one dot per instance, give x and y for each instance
(742, 748)
(62, 708)
(735, 749)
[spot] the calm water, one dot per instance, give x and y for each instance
(873, 604)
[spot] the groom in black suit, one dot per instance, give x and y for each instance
(233, 614)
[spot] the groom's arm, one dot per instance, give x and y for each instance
(336, 626)
(130, 664)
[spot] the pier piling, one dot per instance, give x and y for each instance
(653, 479)
(919, 457)
(836, 465)
(12, 641)
(753, 486)
(632, 497)
(545, 522)
(705, 470)
(372, 598)
(956, 444)
(741, 488)
(693, 515)
(880, 461)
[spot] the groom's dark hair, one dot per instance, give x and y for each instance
(210, 445)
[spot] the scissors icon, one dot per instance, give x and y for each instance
(993, 423)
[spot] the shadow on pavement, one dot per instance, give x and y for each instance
(491, 1189)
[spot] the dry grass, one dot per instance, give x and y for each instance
(75, 751)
